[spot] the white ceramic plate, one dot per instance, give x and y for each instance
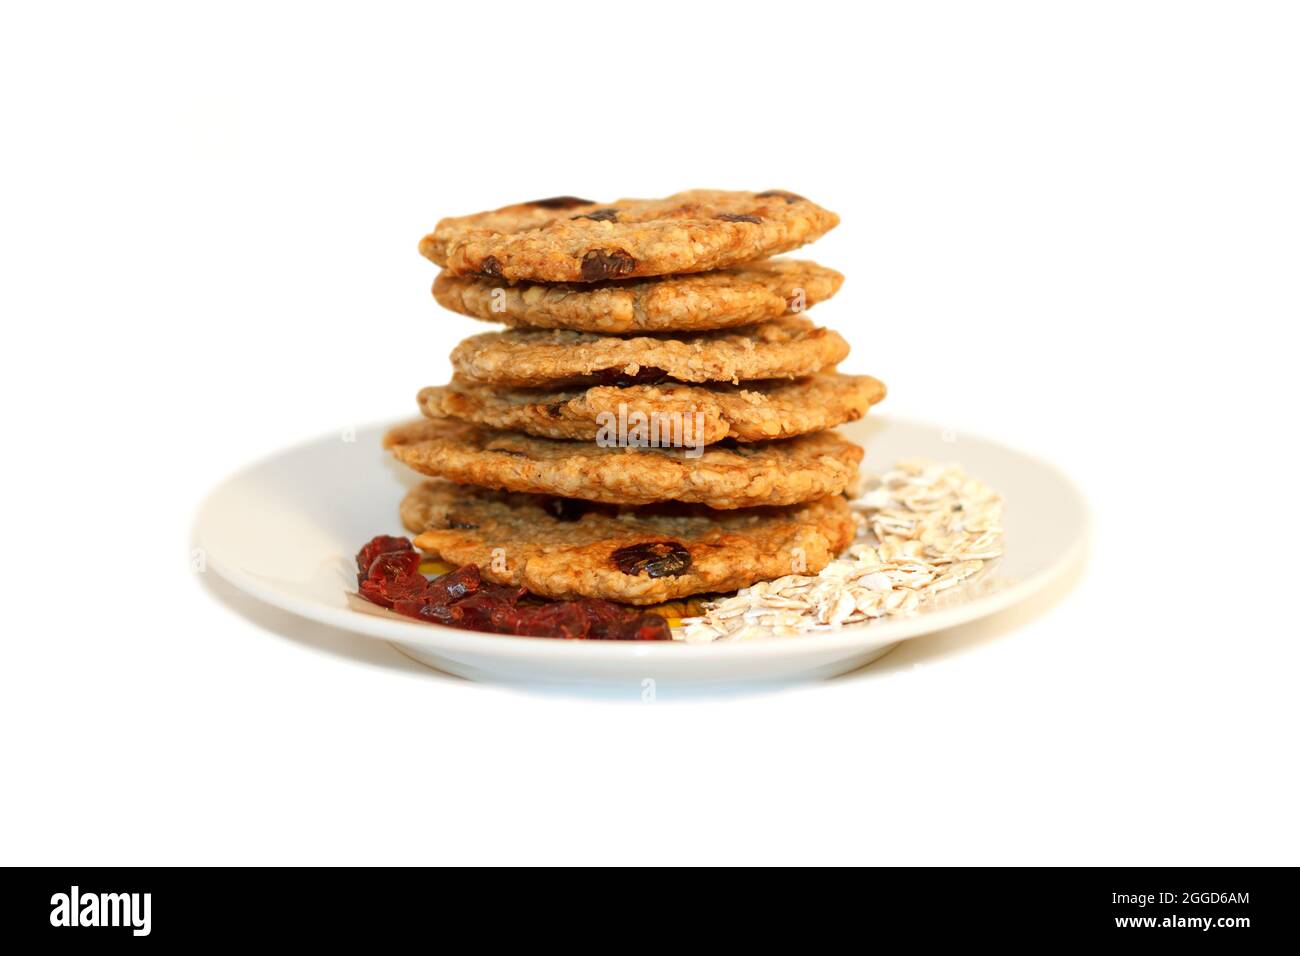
(285, 530)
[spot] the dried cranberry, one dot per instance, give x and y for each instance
(505, 593)
(392, 565)
(614, 622)
(451, 587)
(561, 619)
(374, 548)
(643, 627)
(412, 606)
(602, 616)
(462, 598)
(393, 577)
(480, 612)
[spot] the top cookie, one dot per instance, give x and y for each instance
(566, 239)
(710, 300)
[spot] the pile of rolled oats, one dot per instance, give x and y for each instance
(923, 528)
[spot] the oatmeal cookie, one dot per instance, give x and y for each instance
(566, 239)
(565, 548)
(721, 476)
(708, 300)
(680, 414)
(787, 347)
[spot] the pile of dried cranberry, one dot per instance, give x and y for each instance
(388, 574)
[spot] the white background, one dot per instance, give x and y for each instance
(1074, 228)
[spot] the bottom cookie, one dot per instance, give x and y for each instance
(563, 548)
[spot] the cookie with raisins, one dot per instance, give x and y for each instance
(567, 549)
(567, 239)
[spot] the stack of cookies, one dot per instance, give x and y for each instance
(654, 422)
